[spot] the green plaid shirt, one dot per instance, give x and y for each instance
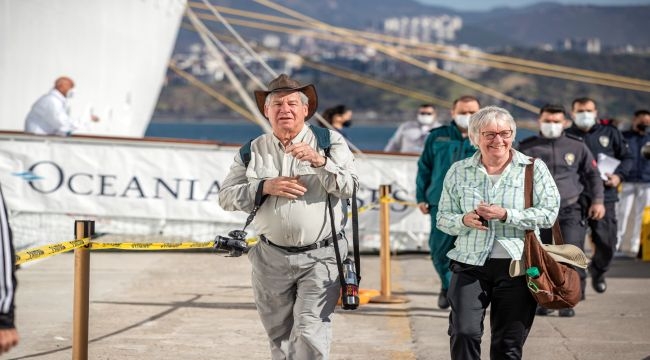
(467, 184)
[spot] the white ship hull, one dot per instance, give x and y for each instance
(116, 51)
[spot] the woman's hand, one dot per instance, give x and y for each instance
(473, 220)
(491, 211)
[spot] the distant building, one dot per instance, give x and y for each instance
(590, 45)
(433, 29)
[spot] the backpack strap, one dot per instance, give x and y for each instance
(245, 153)
(322, 138)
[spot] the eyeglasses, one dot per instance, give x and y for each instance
(490, 135)
(426, 113)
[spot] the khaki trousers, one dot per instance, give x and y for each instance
(296, 294)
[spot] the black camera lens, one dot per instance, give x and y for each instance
(237, 234)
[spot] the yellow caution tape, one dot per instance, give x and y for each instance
(49, 250)
(151, 246)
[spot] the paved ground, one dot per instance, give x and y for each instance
(199, 306)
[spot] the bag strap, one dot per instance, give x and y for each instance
(528, 201)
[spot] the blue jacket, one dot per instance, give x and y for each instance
(444, 146)
(640, 172)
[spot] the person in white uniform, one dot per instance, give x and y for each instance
(49, 115)
(294, 270)
(411, 135)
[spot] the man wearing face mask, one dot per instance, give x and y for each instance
(410, 136)
(635, 194)
(572, 165)
(606, 140)
(444, 146)
(49, 115)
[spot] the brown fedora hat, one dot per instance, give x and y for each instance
(285, 84)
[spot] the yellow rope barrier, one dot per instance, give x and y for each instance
(151, 246)
(45, 251)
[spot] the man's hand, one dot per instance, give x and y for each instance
(613, 180)
(8, 339)
(596, 211)
(284, 186)
(303, 152)
(424, 207)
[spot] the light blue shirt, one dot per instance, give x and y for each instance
(467, 184)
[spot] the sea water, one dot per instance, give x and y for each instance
(365, 137)
(362, 136)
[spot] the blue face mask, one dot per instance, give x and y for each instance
(347, 123)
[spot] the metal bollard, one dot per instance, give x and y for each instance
(82, 229)
(384, 250)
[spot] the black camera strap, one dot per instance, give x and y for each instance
(355, 238)
(259, 200)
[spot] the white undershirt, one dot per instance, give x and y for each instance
(498, 251)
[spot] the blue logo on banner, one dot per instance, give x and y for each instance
(28, 176)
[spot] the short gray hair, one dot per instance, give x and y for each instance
(303, 98)
(486, 116)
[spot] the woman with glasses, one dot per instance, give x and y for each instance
(482, 204)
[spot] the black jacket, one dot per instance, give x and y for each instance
(608, 140)
(571, 164)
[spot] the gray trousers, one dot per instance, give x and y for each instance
(296, 294)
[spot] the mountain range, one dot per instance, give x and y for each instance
(529, 26)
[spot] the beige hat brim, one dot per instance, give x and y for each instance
(567, 254)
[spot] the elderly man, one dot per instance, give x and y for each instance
(294, 275)
(49, 114)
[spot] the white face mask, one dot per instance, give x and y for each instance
(585, 120)
(551, 130)
(462, 120)
(426, 119)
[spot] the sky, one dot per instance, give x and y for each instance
(489, 4)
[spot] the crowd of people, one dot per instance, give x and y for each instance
(469, 182)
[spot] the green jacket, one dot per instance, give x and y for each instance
(444, 146)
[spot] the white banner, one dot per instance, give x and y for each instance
(174, 181)
(127, 179)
